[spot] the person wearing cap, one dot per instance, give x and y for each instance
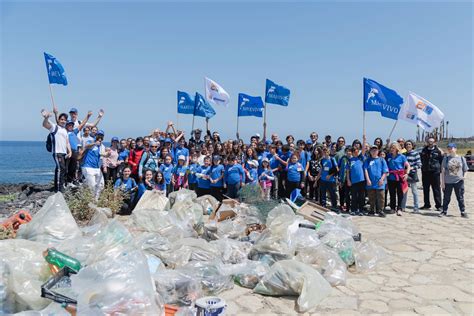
(431, 159)
(453, 172)
(413, 158)
(216, 177)
(234, 176)
(149, 160)
(180, 149)
(265, 178)
(135, 157)
(376, 171)
(74, 117)
(111, 162)
(196, 139)
(72, 163)
(91, 163)
(60, 147)
(180, 174)
(251, 174)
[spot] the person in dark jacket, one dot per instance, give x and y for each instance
(431, 159)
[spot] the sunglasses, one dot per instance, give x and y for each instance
(154, 146)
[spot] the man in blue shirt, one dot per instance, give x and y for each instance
(376, 171)
(91, 165)
(327, 178)
(72, 163)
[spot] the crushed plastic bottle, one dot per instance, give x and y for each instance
(59, 259)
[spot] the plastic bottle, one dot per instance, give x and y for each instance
(60, 259)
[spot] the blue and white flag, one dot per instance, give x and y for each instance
(250, 106)
(378, 98)
(55, 70)
(276, 94)
(421, 112)
(185, 103)
(215, 93)
(202, 108)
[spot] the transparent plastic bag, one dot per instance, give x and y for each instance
(342, 242)
(52, 224)
(116, 285)
(24, 270)
(208, 203)
(152, 200)
(232, 251)
(247, 273)
(188, 211)
(270, 248)
(333, 221)
(367, 255)
(280, 210)
(190, 249)
(213, 278)
(294, 278)
(52, 309)
(327, 262)
(231, 229)
(179, 196)
(176, 287)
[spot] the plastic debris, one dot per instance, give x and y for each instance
(152, 200)
(367, 255)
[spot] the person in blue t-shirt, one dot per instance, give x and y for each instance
(180, 149)
(193, 167)
(202, 175)
(90, 167)
(327, 178)
(129, 188)
(72, 163)
(167, 170)
(356, 181)
(282, 159)
(376, 170)
(295, 175)
(251, 174)
(160, 183)
(234, 177)
(180, 174)
(217, 178)
(147, 183)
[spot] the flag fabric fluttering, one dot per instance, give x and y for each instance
(378, 98)
(421, 112)
(250, 106)
(202, 107)
(185, 103)
(276, 94)
(215, 93)
(55, 70)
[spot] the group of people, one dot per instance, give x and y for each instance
(165, 161)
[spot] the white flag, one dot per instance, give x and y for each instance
(421, 112)
(215, 93)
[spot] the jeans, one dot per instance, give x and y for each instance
(290, 186)
(232, 190)
(59, 172)
(331, 187)
(71, 166)
(282, 185)
(345, 195)
(458, 188)
(433, 180)
(414, 192)
(313, 190)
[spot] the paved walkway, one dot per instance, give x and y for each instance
(430, 272)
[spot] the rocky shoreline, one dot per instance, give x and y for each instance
(27, 196)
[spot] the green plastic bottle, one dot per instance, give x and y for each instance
(60, 259)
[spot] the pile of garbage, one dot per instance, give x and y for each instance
(173, 252)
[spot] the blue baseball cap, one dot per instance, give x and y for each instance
(168, 140)
(452, 145)
(100, 132)
(73, 110)
(309, 142)
(115, 139)
(268, 142)
(69, 122)
(216, 157)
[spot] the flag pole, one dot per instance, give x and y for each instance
(393, 128)
(363, 109)
(265, 121)
(237, 127)
(52, 97)
(177, 120)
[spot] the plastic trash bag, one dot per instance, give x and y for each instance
(232, 251)
(118, 285)
(231, 229)
(269, 247)
(176, 287)
(213, 278)
(52, 224)
(247, 273)
(180, 196)
(24, 270)
(333, 221)
(280, 210)
(152, 200)
(190, 249)
(367, 255)
(52, 309)
(208, 203)
(188, 211)
(327, 262)
(305, 239)
(342, 242)
(291, 277)
(153, 243)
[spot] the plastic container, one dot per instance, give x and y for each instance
(60, 259)
(170, 310)
(210, 306)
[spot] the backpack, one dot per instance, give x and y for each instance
(50, 140)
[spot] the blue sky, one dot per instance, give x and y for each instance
(129, 58)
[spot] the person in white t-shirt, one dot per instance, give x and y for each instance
(61, 149)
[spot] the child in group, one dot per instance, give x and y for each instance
(192, 169)
(180, 177)
(314, 167)
(216, 177)
(160, 183)
(251, 175)
(327, 178)
(167, 170)
(275, 167)
(295, 175)
(356, 181)
(146, 184)
(129, 187)
(202, 175)
(344, 189)
(376, 170)
(398, 168)
(265, 178)
(234, 176)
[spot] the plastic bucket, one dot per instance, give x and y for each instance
(210, 306)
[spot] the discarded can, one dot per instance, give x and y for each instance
(210, 306)
(60, 259)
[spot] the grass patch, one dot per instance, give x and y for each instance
(8, 197)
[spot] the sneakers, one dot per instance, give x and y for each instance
(399, 212)
(464, 214)
(382, 214)
(439, 209)
(442, 214)
(425, 207)
(416, 211)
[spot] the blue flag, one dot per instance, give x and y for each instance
(250, 106)
(55, 70)
(185, 103)
(202, 108)
(378, 98)
(276, 94)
